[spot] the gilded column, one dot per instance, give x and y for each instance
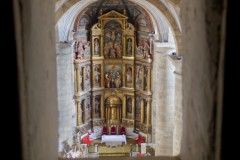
(124, 45)
(92, 75)
(133, 108)
(124, 107)
(109, 113)
(77, 76)
(142, 110)
(102, 76)
(102, 106)
(84, 111)
(143, 74)
(118, 113)
(149, 79)
(148, 111)
(106, 111)
(79, 113)
(93, 107)
(92, 45)
(80, 82)
(124, 77)
(101, 46)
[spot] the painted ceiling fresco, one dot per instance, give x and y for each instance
(136, 15)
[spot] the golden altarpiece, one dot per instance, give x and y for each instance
(112, 77)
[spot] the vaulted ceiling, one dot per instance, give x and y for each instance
(161, 14)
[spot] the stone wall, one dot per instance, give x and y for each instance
(65, 94)
(178, 121)
(36, 60)
(38, 89)
(201, 23)
(163, 105)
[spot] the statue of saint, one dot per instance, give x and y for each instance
(129, 75)
(96, 47)
(129, 47)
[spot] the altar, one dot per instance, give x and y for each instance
(114, 140)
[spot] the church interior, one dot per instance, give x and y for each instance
(111, 46)
(122, 78)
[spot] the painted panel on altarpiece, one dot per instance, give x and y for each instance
(113, 40)
(113, 76)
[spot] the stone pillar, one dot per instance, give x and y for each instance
(65, 87)
(161, 110)
(177, 132)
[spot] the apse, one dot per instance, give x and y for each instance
(110, 88)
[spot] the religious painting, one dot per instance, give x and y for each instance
(97, 75)
(139, 77)
(129, 107)
(97, 100)
(129, 75)
(96, 47)
(129, 47)
(87, 78)
(112, 40)
(113, 76)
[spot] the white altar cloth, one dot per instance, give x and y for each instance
(114, 138)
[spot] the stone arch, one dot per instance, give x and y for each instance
(158, 4)
(177, 30)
